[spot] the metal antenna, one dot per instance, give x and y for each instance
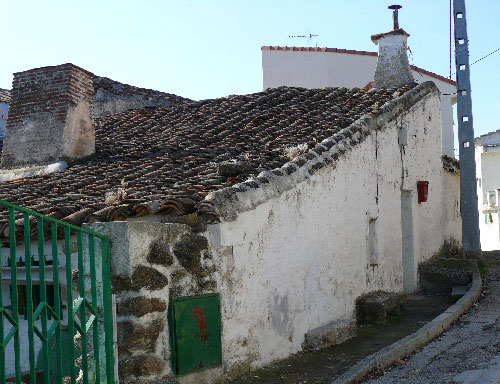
(468, 188)
(308, 36)
(395, 9)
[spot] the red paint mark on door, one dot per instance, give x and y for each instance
(199, 314)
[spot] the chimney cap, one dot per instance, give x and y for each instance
(400, 31)
(395, 8)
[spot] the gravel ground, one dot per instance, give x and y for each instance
(469, 352)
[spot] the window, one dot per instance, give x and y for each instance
(403, 136)
(492, 199)
(22, 300)
(372, 242)
(488, 218)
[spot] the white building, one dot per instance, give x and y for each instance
(487, 148)
(4, 110)
(332, 67)
(287, 204)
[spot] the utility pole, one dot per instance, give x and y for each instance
(468, 187)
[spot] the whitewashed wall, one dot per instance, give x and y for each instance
(452, 224)
(488, 175)
(299, 260)
(333, 69)
(4, 111)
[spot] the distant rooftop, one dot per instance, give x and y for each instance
(489, 139)
(353, 52)
(4, 96)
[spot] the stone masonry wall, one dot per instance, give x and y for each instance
(150, 264)
(50, 116)
(113, 97)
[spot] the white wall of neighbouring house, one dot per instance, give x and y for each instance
(299, 260)
(318, 69)
(4, 111)
(488, 190)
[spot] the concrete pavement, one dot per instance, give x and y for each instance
(469, 352)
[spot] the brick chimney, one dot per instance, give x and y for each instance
(50, 116)
(393, 69)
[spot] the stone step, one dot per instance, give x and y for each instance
(457, 291)
(377, 307)
(333, 333)
(438, 276)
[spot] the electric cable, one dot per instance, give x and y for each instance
(482, 58)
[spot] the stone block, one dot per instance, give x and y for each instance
(188, 251)
(438, 276)
(134, 336)
(457, 291)
(140, 306)
(377, 307)
(333, 333)
(141, 365)
(159, 253)
(233, 167)
(142, 277)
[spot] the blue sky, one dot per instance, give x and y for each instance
(206, 49)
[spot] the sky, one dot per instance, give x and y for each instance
(211, 48)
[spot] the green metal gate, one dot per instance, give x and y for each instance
(68, 338)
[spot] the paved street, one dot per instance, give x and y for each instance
(469, 352)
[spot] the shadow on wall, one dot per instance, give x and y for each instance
(66, 343)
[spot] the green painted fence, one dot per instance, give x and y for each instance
(76, 331)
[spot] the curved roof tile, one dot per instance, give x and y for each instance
(165, 161)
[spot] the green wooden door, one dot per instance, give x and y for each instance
(195, 329)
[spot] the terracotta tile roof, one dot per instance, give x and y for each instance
(4, 96)
(488, 134)
(480, 140)
(354, 52)
(317, 49)
(165, 161)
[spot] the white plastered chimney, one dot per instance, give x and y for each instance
(393, 69)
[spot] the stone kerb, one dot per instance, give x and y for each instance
(150, 264)
(402, 348)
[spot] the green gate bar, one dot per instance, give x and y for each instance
(43, 299)
(83, 313)
(14, 301)
(57, 303)
(2, 348)
(94, 307)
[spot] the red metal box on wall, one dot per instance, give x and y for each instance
(423, 191)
